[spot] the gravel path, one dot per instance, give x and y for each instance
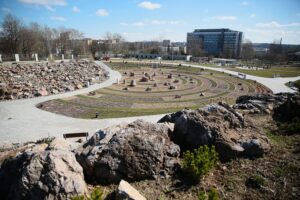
(21, 121)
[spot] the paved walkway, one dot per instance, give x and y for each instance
(21, 121)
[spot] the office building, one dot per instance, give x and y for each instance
(216, 42)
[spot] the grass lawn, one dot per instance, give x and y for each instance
(269, 73)
(112, 102)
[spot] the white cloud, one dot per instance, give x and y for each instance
(45, 2)
(58, 18)
(158, 22)
(153, 22)
(149, 5)
(102, 13)
(176, 22)
(245, 3)
(7, 10)
(163, 22)
(138, 24)
(225, 18)
(274, 24)
(50, 8)
(253, 15)
(75, 9)
(48, 4)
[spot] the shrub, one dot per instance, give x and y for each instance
(212, 194)
(96, 194)
(255, 181)
(199, 162)
(202, 196)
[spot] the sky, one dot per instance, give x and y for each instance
(137, 20)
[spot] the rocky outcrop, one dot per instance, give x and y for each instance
(126, 191)
(260, 103)
(135, 151)
(219, 125)
(40, 173)
(289, 110)
(27, 80)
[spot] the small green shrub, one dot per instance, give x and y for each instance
(199, 162)
(81, 197)
(212, 194)
(202, 196)
(96, 194)
(255, 181)
(279, 171)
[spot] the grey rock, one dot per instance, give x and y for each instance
(133, 152)
(219, 125)
(38, 173)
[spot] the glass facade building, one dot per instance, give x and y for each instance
(216, 42)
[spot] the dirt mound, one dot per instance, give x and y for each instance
(133, 152)
(219, 125)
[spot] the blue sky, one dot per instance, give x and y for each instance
(136, 20)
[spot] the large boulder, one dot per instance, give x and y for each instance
(260, 102)
(135, 151)
(39, 173)
(219, 125)
(289, 110)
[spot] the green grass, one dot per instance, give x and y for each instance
(269, 73)
(110, 112)
(113, 102)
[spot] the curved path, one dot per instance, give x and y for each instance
(21, 121)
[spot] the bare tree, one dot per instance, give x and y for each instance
(10, 33)
(247, 50)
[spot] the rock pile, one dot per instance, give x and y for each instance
(133, 152)
(27, 80)
(42, 173)
(219, 125)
